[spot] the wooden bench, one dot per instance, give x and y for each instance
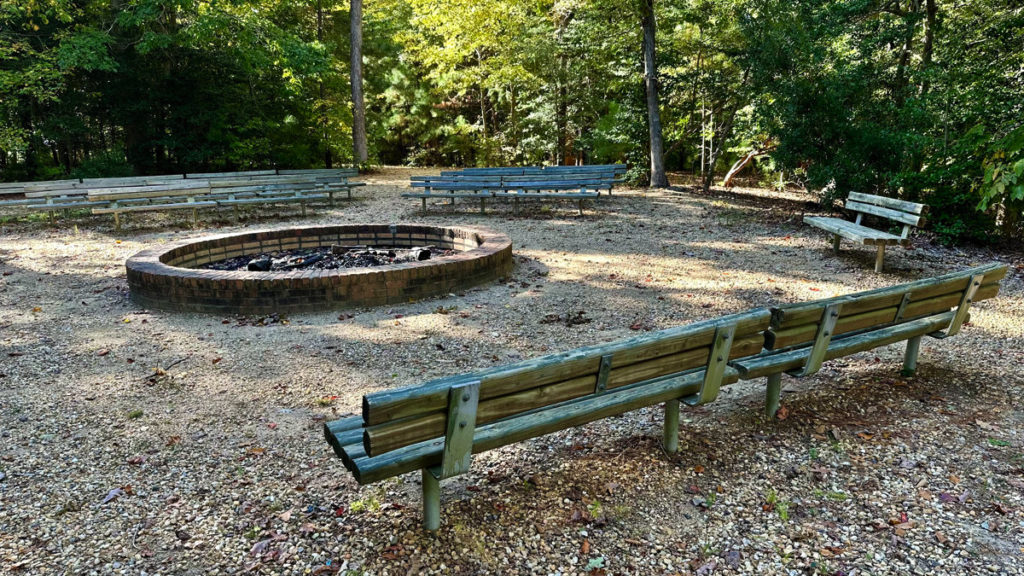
(802, 336)
(179, 191)
(169, 196)
(909, 214)
(437, 427)
(531, 186)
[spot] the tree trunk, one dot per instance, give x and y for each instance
(356, 75)
(658, 177)
(930, 23)
(322, 105)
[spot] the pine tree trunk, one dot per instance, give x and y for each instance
(658, 177)
(356, 75)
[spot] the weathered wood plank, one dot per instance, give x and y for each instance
(532, 425)
(804, 312)
(763, 365)
(853, 232)
(901, 205)
(804, 333)
(883, 212)
(393, 404)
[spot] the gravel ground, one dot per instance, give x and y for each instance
(136, 441)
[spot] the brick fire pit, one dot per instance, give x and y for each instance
(167, 277)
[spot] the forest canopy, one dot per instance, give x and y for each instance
(917, 99)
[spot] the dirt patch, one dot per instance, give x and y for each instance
(140, 441)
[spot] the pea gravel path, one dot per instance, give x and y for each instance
(136, 441)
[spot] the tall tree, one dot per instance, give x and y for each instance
(356, 77)
(657, 147)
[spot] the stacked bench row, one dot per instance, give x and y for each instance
(437, 427)
(531, 182)
(181, 191)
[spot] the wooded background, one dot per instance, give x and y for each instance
(920, 99)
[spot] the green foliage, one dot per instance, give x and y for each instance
(920, 100)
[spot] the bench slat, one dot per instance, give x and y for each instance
(430, 397)
(766, 364)
(531, 425)
(854, 232)
(804, 312)
(889, 213)
(151, 207)
(901, 205)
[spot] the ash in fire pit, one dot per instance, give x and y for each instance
(326, 258)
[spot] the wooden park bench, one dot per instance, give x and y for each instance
(437, 427)
(578, 183)
(909, 214)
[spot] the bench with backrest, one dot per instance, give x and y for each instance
(514, 187)
(804, 335)
(220, 191)
(531, 182)
(907, 214)
(177, 191)
(438, 426)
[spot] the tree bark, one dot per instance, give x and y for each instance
(658, 177)
(930, 23)
(356, 76)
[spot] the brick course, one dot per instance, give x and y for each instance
(166, 277)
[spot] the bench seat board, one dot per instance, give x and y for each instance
(151, 207)
(854, 232)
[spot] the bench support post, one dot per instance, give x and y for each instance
(962, 309)
(671, 439)
(482, 211)
(424, 205)
(431, 501)
(835, 243)
(772, 394)
(581, 206)
(826, 327)
(879, 257)
(714, 372)
(910, 358)
(117, 221)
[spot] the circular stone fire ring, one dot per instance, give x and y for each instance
(168, 277)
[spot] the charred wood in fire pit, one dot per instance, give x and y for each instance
(259, 265)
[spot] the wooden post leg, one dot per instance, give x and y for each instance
(237, 216)
(195, 218)
(424, 205)
(303, 204)
(835, 243)
(431, 501)
(330, 198)
(910, 358)
(482, 206)
(581, 206)
(117, 221)
(879, 257)
(772, 394)
(53, 218)
(671, 441)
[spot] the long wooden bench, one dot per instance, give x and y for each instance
(437, 427)
(907, 214)
(150, 193)
(532, 182)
